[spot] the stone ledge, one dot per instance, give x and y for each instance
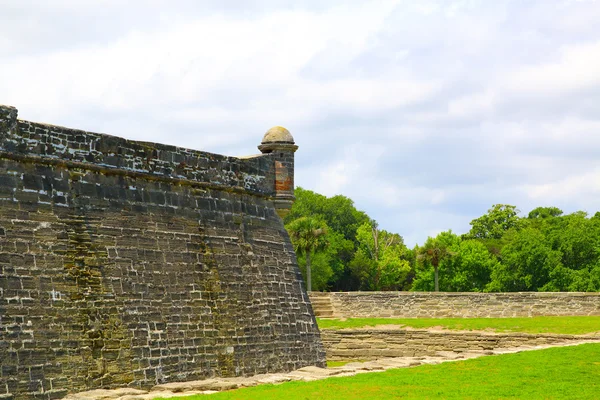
(370, 344)
(111, 170)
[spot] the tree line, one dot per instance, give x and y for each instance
(343, 249)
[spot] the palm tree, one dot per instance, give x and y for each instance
(308, 235)
(434, 251)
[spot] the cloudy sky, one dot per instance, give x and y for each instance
(425, 113)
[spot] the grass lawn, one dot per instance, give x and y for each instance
(566, 325)
(557, 373)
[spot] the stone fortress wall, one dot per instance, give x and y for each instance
(127, 263)
(453, 305)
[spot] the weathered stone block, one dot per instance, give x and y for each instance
(130, 264)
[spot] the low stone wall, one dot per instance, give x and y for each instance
(457, 305)
(371, 344)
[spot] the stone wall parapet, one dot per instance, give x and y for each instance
(459, 305)
(82, 149)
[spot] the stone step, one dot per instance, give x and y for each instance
(322, 306)
(321, 303)
(317, 308)
(324, 314)
(322, 309)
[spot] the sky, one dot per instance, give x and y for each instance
(425, 113)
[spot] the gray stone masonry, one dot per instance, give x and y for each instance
(131, 264)
(453, 305)
(382, 342)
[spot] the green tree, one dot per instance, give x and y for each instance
(544, 212)
(527, 264)
(308, 235)
(320, 269)
(495, 223)
(361, 269)
(378, 263)
(343, 220)
(340, 252)
(434, 251)
(551, 252)
(576, 237)
(469, 269)
(338, 211)
(328, 263)
(307, 204)
(466, 267)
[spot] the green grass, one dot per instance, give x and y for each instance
(566, 325)
(557, 373)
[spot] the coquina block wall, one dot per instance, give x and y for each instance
(455, 305)
(126, 263)
(373, 344)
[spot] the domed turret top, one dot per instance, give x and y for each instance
(278, 134)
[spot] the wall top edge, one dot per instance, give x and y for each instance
(43, 141)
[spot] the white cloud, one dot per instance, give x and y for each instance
(424, 113)
(577, 188)
(477, 104)
(189, 62)
(577, 68)
(348, 166)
